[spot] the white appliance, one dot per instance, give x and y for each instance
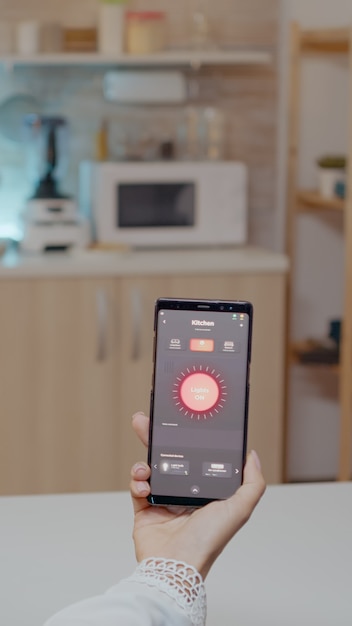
(165, 204)
(54, 224)
(145, 87)
(50, 219)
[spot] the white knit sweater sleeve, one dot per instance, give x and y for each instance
(159, 593)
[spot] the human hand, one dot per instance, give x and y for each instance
(196, 536)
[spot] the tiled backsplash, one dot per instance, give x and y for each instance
(248, 96)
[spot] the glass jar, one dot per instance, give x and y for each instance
(200, 25)
(214, 144)
(145, 32)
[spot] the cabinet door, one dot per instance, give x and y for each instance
(59, 372)
(137, 297)
(267, 293)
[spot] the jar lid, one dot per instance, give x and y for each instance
(145, 15)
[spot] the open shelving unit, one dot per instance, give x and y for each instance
(322, 43)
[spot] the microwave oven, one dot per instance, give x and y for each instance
(156, 204)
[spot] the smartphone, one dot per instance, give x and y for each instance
(199, 400)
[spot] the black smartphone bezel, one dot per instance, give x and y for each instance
(235, 306)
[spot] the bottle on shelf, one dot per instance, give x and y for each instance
(102, 141)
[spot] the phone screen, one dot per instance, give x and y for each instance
(199, 402)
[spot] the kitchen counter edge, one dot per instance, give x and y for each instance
(96, 263)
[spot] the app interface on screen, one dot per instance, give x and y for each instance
(199, 403)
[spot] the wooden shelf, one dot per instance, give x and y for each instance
(310, 200)
(330, 41)
(168, 59)
(301, 348)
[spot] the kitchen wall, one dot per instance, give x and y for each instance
(314, 409)
(248, 96)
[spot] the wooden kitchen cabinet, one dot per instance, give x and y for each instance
(76, 363)
(59, 373)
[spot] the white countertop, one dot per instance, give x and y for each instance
(137, 262)
(289, 566)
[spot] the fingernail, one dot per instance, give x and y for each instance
(138, 413)
(142, 488)
(257, 460)
(139, 468)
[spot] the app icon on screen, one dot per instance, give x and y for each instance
(201, 345)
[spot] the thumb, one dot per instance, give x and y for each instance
(244, 501)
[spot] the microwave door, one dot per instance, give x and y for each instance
(148, 205)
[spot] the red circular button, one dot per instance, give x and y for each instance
(199, 392)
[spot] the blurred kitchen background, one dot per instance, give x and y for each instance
(96, 93)
(245, 100)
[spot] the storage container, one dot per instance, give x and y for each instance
(145, 32)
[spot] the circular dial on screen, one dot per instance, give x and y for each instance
(199, 392)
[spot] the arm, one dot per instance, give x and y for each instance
(159, 593)
(175, 548)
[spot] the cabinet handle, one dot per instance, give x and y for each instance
(102, 317)
(136, 308)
